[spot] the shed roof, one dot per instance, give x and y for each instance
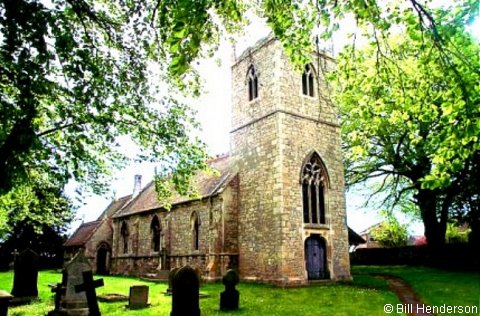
(82, 234)
(354, 238)
(207, 185)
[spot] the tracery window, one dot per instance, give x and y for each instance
(314, 183)
(307, 81)
(252, 81)
(195, 222)
(124, 236)
(156, 231)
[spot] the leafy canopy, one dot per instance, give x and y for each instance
(409, 110)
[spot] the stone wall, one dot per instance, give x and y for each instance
(103, 235)
(272, 137)
(217, 237)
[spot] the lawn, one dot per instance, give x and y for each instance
(366, 295)
(434, 286)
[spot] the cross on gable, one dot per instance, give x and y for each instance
(88, 286)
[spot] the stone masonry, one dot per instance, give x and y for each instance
(272, 138)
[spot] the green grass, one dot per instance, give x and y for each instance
(434, 286)
(357, 298)
(366, 295)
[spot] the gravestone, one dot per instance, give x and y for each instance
(171, 274)
(138, 297)
(185, 293)
(230, 297)
(5, 298)
(25, 277)
(75, 303)
(88, 286)
(59, 291)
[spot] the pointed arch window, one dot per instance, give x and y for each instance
(314, 183)
(307, 81)
(124, 237)
(195, 222)
(156, 231)
(252, 81)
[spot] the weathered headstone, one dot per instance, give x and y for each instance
(171, 274)
(25, 277)
(138, 297)
(185, 293)
(5, 298)
(230, 297)
(75, 303)
(88, 286)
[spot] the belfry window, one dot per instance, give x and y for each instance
(156, 233)
(252, 81)
(124, 237)
(314, 182)
(195, 222)
(307, 81)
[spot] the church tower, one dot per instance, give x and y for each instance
(285, 142)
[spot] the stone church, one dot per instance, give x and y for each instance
(276, 209)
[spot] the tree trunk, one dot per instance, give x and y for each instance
(434, 229)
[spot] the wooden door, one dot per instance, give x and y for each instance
(315, 258)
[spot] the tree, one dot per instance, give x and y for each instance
(410, 113)
(390, 233)
(37, 217)
(34, 207)
(77, 76)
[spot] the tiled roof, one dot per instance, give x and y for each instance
(114, 207)
(82, 234)
(207, 185)
(354, 238)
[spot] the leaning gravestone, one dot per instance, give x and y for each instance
(25, 277)
(229, 298)
(185, 290)
(138, 297)
(74, 303)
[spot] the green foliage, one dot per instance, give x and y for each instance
(76, 78)
(37, 203)
(390, 233)
(409, 110)
(456, 234)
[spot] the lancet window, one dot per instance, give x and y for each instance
(252, 81)
(307, 81)
(156, 231)
(195, 222)
(124, 237)
(314, 185)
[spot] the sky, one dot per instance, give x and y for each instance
(213, 112)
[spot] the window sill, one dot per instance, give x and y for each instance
(307, 96)
(316, 226)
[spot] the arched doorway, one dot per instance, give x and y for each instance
(103, 259)
(316, 257)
